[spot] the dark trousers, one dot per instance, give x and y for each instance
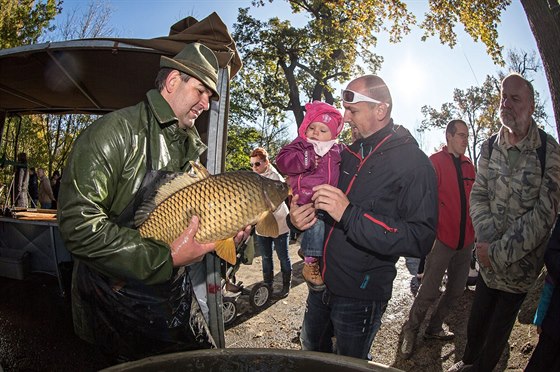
(545, 356)
(493, 314)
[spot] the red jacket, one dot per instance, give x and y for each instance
(455, 228)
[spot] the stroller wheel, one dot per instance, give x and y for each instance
(229, 310)
(259, 296)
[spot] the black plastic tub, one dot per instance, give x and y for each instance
(254, 360)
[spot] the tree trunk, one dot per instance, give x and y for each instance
(546, 30)
(3, 117)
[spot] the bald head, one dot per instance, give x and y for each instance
(364, 117)
(518, 78)
(373, 86)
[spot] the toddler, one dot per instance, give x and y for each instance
(312, 159)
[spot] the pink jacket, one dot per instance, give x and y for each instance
(297, 161)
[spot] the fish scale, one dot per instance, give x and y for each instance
(224, 203)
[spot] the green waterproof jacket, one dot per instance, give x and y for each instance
(103, 174)
(513, 207)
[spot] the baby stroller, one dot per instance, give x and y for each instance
(259, 295)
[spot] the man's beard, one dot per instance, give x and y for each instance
(356, 134)
(513, 124)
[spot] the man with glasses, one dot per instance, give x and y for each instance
(385, 206)
(452, 250)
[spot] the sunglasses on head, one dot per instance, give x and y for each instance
(256, 164)
(349, 96)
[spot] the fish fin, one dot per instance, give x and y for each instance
(267, 225)
(178, 183)
(165, 187)
(200, 170)
(226, 250)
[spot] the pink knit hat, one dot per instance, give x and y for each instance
(322, 112)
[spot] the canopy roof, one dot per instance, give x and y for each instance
(100, 75)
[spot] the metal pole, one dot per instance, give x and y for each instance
(217, 134)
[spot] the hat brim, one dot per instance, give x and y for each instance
(196, 73)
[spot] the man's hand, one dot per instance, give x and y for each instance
(186, 250)
(302, 216)
(330, 199)
(482, 254)
(242, 235)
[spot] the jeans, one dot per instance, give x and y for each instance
(264, 245)
(354, 323)
(493, 314)
(313, 239)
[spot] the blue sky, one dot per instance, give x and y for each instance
(417, 73)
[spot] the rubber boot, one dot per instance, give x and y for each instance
(268, 279)
(286, 284)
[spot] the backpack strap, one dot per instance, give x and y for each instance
(541, 151)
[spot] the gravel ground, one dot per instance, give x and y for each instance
(36, 326)
(279, 325)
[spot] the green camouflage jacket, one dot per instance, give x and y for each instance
(515, 209)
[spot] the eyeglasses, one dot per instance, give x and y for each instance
(349, 96)
(256, 164)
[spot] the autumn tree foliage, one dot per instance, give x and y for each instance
(304, 62)
(23, 21)
(479, 106)
(287, 65)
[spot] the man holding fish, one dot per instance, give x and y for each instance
(385, 206)
(131, 294)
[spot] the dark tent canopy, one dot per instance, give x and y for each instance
(100, 75)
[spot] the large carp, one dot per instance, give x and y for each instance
(225, 203)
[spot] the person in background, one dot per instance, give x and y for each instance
(384, 207)
(545, 356)
(454, 242)
(21, 181)
(132, 296)
(46, 196)
(544, 301)
(55, 185)
(514, 203)
(312, 159)
(261, 165)
(33, 187)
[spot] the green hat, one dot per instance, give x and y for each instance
(199, 61)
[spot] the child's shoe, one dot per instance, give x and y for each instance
(312, 276)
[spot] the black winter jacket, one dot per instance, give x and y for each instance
(392, 212)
